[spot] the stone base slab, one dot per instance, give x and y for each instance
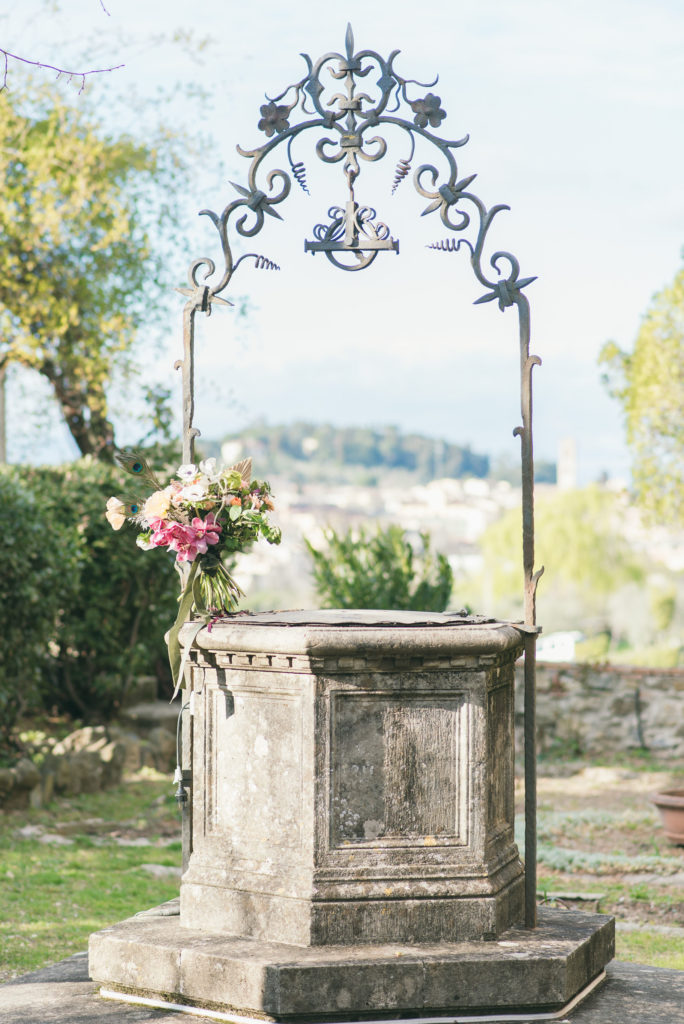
(535, 971)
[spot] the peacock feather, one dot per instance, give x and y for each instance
(137, 465)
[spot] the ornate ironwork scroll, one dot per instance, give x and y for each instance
(348, 100)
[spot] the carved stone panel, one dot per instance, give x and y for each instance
(501, 755)
(253, 769)
(398, 768)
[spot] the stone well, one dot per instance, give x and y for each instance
(352, 847)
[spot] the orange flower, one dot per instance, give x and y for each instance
(157, 505)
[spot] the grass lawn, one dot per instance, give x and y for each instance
(599, 833)
(55, 892)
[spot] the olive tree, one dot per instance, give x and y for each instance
(80, 209)
(649, 384)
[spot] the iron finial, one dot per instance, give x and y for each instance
(349, 41)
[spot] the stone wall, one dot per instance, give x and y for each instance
(85, 761)
(581, 709)
(603, 709)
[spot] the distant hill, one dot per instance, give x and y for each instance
(363, 455)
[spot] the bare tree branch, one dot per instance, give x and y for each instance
(7, 56)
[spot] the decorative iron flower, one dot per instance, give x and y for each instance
(427, 110)
(273, 118)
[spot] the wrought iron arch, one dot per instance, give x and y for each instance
(352, 240)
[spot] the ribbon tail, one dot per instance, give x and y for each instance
(176, 660)
(181, 669)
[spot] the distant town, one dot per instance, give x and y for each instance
(323, 476)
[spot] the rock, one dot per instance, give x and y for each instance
(30, 831)
(16, 800)
(602, 709)
(81, 826)
(26, 775)
(151, 714)
(6, 781)
(63, 774)
(163, 744)
(162, 870)
(97, 745)
(112, 759)
(77, 740)
(87, 772)
(52, 839)
(130, 742)
(143, 689)
(48, 786)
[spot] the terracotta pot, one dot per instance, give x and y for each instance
(670, 804)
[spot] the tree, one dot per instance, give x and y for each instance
(649, 384)
(380, 571)
(78, 273)
(579, 540)
(79, 76)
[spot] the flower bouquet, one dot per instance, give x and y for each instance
(202, 516)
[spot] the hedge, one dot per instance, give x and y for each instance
(89, 609)
(32, 569)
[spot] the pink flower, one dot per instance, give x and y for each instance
(187, 540)
(208, 528)
(162, 532)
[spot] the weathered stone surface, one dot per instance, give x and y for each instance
(135, 750)
(6, 781)
(151, 714)
(63, 994)
(87, 760)
(163, 743)
(142, 689)
(18, 783)
(635, 994)
(87, 772)
(112, 757)
(353, 781)
(540, 969)
(86, 738)
(141, 953)
(603, 708)
(26, 774)
(352, 830)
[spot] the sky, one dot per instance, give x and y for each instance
(574, 112)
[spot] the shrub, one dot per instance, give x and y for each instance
(114, 601)
(33, 565)
(380, 571)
